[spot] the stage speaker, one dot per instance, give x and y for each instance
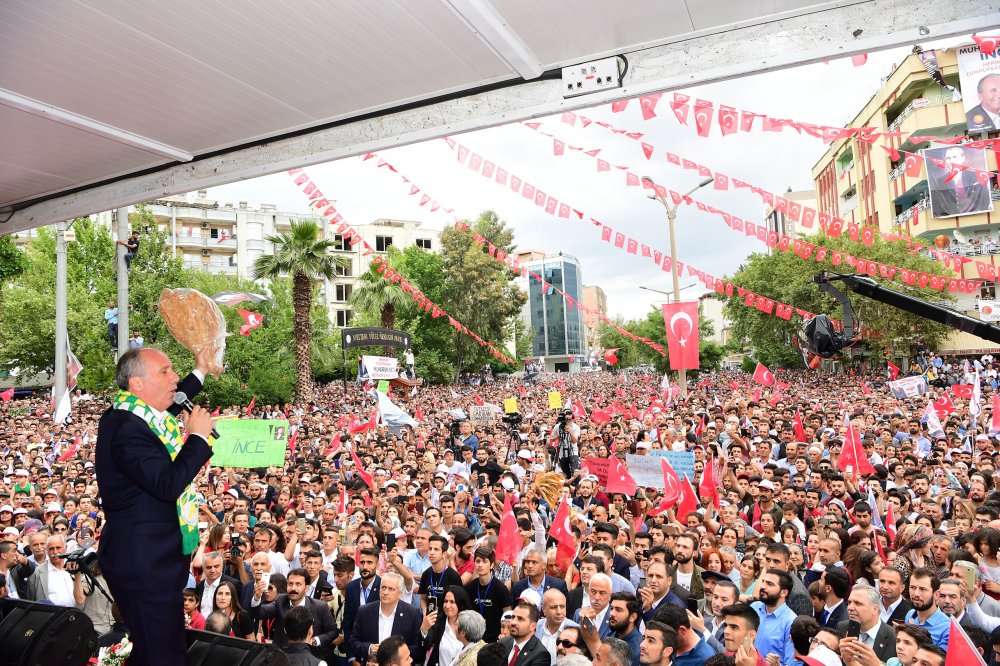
(208, 649)
(33, 634)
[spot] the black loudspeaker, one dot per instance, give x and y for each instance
(208, 649)
(33, 634)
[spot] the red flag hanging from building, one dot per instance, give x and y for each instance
(763, 376)
(681, 321)
(852, 459)
(619, 480)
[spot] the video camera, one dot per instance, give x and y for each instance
(561, 418)
(513, 419)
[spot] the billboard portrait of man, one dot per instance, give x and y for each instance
(955, 191)
(979, 75)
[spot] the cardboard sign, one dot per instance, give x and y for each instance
(646, 470)
(383, 387)
(250, 443)
(481, 414)
(681, 461)
(555, 400)
(509, 405)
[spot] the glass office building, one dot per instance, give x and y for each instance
(557, 329)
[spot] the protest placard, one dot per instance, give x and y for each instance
(555, 400)
(250, 443)
(481, 414)
(509, 405)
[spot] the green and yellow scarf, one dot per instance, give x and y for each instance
(169, 432)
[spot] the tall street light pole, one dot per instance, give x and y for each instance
(675, 278)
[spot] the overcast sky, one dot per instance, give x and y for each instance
(824, 94)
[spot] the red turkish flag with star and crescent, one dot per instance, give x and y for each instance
(509, 542)
(852, 458)
(7, 395)
(943, 406)
(962, 391)
(763, 376)
(688, 500)
(681, 321)
(619, 480)
(562, 532)
(961, 650)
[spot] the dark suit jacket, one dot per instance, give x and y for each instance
(986, 124)
(533, 653)
(549, 583)
(574, 600)
(365, 631)
(885, 640)
(141, 543)
(199, 589)
(838, 615)
(323, 626)
(899, 615)
(603, 631)
(352, 602)
(21, 573)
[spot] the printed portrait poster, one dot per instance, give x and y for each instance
(979, 78)
(953, 191)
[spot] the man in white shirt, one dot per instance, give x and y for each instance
(212, 566)
(51, 581)
(554, 612)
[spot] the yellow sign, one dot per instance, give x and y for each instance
(555, 400)
(509, 405)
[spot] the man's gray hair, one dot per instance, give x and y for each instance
(541, 552)
(573, 660)
(214, 555)
(131, 364)
(620, 652)
(394, 576)
(472, 625)
(218, 623)
(600, 578)
(874, 596)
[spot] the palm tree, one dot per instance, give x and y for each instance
(373, 293)
(303, 254)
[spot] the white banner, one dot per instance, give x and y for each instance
(380, 367)
(989, 310)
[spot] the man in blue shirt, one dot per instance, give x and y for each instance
(924, 585)
(774, 634)
(623, 618)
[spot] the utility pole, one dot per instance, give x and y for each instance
(59, 384)
(121, 217)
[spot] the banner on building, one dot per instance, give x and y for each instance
(909, 387)
(380, 367)
(374, 337)
(956, 189)
(979, 78)
(989, 310)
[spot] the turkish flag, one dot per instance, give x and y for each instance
(610, 356)
(890, 523)
(709, 485)
(763, 376)
(961, 650)
(681, 322)
(253, 320)
(562, 532)
(671, 484)
(995, 418)
(703, 112)
(71, 451)
(619, 480)
(853, 459)
(893, 370)
(987, 45)
(360, 470)
(579, 411)
(687, 502)
(7, 395)
(962, 391)
(865, 389)
(509, 542)
(943, 406)
(217, 411)
(253, 401)
(479, 400)
(419, 414)
(798, 428)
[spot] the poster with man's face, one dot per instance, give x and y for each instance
(956, 191)
(979, 77)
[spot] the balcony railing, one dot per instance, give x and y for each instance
(919, 103)
(907, 214)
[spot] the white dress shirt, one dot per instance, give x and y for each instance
(885, 613)
(60, 587)
(208, 597)
(385, 623)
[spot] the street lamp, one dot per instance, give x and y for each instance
(671, 216)
(667, 293)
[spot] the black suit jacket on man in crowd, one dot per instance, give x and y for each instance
(838, 615)
(199, 589)
(533, 653)
(365, 631)
(324, 627)
(899, 614)
(352, 602)
(885, 640)
(141, 550)
(548, 583)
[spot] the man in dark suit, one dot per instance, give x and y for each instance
(533, 565)
(143, 551)
(961, 193)
(835, 583)
(360, 591)
(523, 648)
(324, 629)
(863, 608)
(212, 568)
(368, 632)
(599, 591)
(893, 607)
(983, 117)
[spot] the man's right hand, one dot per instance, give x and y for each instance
(646, 597)
(199, 422)
(258, 589)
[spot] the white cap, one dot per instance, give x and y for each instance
(526, 454)
(6, 507)
(530, 595)
(20, 511)
(766, 484)
(235, 493)
(20, 472)
(53, 507)
(643, 445)
(11, 530)
(507, 483)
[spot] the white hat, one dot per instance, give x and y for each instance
(50, 491)
(6, 507)
(235, 493)
(526, 454)
(982, 438)
(11, 530)
(531, 596)
(507, 483)
(53, 507)
(20, 472)
(305, 477)
(20, 511)
(643, 445)
(766, 484)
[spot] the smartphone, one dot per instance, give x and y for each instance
(390, 542)
(266, 577)
(432, 604)
(692, 605)
(478, 510)
(587, 623)
(969, 574)
(300, 525)
(853, 629)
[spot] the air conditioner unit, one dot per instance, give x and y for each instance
(206, 253)
(204, 225)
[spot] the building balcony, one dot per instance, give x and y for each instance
(848, 204)
(215, 216)
(941, 118)
(221, 269)
(184, 240)
(222, 243)
(845, 181)
(195, 265)
(254, 244)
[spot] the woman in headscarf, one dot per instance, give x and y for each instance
(912, 545)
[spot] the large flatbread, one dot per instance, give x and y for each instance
(196, 322)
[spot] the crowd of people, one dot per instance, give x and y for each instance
(801, 561)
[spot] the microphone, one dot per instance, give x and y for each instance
(181, 400)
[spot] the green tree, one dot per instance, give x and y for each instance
(12, 260)
(303, 254)
(479, 291)
(787, 278)
(373, 294)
